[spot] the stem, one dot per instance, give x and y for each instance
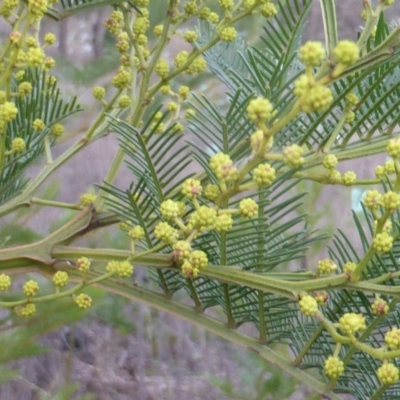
(194, 296)
(213, 326)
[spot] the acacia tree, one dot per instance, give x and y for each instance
(216, 216)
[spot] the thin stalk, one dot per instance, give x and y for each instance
(194, 296)
(261, 317)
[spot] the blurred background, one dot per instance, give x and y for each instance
(127, 351)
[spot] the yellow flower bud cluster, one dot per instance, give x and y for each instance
(5, 282)
(382, 242)
(326, 266)
(333, 367)
(28, 310)
(83, 301)
(268, 10)
(351, 323)
(60, 278)
(248, 208)
(30, 288)
(124, 269)
(87, 199)
(223, 168)
(264, 175)
(392, 339)
(380, 307)
(292, 156)
(260, 110)
(136, 233)
(83, 264)
(308, 305)
(227, 33)
(191, 188)
(388, 373)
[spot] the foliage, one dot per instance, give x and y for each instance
(215, 206)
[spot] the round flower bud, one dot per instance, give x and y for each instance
(387, 227)
(382, 242)
(124, 101)
(388, 373)
(191, 188)
(380, 307)
(87, 199)
(8, 111)
(181, 250)
(321, 297)
(28, 310)
(248, 208)
(380, 171)
(349, 267)
(326, 266)
(333, 367)
(136, 233)
(268, 10)
(227, 34)
(83, 264)
(351, 323)
(292, 156)
(188, 270)
(308, 305)
(124, 269)
(351, 100)
(25, 89)
(212, 192)
(391, 200)
(18, 145)
(393, 147)
(264, 175)
(165, 232)
(203, 218)
(30, 288)
(318, 98)
(83, 301)
(223, 223)
(57, 130)
(50, 38)
(389, 167)
(198, 259)
(190, 36)
(226, 4)
(35, 56)
(373, 199)
(181, 58)
(5, 282)
(260, 110)
(122, 80)
(112, 266)
(197, 66)
(392, 339)
(162, 68)
(330, 161)
(213, 18)
(204, 13)
(158, 30)
(349, 178)
(347, 52)
(302, 85)
(312, 53)
(98, 92)
(169, 209)
(60, 278)
(223, 168)
(38, 125)
(184, 92)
